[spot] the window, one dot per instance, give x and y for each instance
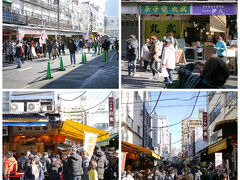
(211, 94)
(215, 112)
(230, 96)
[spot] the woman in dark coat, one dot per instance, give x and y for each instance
(54, 170)
(34, 171)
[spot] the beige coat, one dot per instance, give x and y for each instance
(154, 51)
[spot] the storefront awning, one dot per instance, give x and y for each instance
(8, 1)
(218, 146)
(27, 119)
(24, 124)
(225, 123)
(106, 141)
(75, 131)
(128, 147)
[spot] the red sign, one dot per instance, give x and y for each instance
(111, 121)
(58, 139)
(205, 127)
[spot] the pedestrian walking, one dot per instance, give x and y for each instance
(74, 164)
(49, 49)
(19, 53)
(72, 49)
(88, 46)
(157, 174)
(132, 54)
(64, 166)
(54, 49)
(10, 166)
(63, 47)
(154, 56)
(214, 75)
(221, 48)
(33, 170)
(46, 162)
(198, 174)
(10, 52)
(54, 170)
(85, 162)
(106, 46)
(168, 60)
(145, 54)
(81, 46)
(102, 162)
(59, 47)
(92, 173)
(173, 41)
(95, 45)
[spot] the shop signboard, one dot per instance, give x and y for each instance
(205, 127)
(218, 160)
(111, 118)
(165, 9)
(162, 28)
(214, 9)
(90, 140)
(123, 160)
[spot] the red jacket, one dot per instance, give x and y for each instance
(10, 166)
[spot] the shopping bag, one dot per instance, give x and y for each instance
(164, 72)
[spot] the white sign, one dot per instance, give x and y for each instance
(155, 130)
(90, 140)
(218, 160)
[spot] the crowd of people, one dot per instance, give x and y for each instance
(161, 55)
(22, 51)
(178, 172)
(75, 165)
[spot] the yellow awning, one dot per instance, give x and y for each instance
(75, 131)
(218, 146)
(155, 155)
(134, 148)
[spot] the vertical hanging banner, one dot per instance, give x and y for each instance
(205, 127)
(218, 160)
(162, 28)
(123, 160)
(111, 118)
(21, 34)
(90, 140)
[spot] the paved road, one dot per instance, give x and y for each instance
(141, 80)
(93, 74)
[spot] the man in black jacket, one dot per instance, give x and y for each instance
(74, 164)
(72, 49)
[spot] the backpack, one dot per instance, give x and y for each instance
(131, 52)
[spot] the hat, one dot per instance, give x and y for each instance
(167, 40)
(97, 148)
(164, 38)
(153, 37)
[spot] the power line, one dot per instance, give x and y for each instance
(181, 120)
(156, 103)
(73, 98)
(172, 99)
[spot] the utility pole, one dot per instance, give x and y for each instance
(58, 2)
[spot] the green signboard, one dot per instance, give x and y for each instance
(165, 9)
(162, 28)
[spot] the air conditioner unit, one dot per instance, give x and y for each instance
(17, 107)
(47, 108)
(33, 107)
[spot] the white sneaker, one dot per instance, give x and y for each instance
(153, 77)
(74, 65)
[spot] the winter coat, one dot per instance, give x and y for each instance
(10, 49)
(11, 166)
(18, 50)
(29, 175)
(106, 45)
(102, 162)
(54, 171)
(72, 47)
(157, 176)
(85, 164)
(49, 47)
(154, 51)
(54, 49)
(221, 52)
(65, 169)
(46, 162)
(74, 165)
(168, 57)
(190, 81)
(198, 175)
(145, 53)
(132, 49)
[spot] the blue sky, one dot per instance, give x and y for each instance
(178, 110)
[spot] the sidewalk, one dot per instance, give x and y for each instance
(141, 79)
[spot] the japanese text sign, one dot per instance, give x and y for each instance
(214, 9)
(90, 140)
(218, 160)
(162, 28)
(165, 9)
(111, 118)
(205, 127)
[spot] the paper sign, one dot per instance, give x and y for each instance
(218, 160)
(162, 28)
(90, 140)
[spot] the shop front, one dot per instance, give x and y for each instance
(196, 26)
(137, 157)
